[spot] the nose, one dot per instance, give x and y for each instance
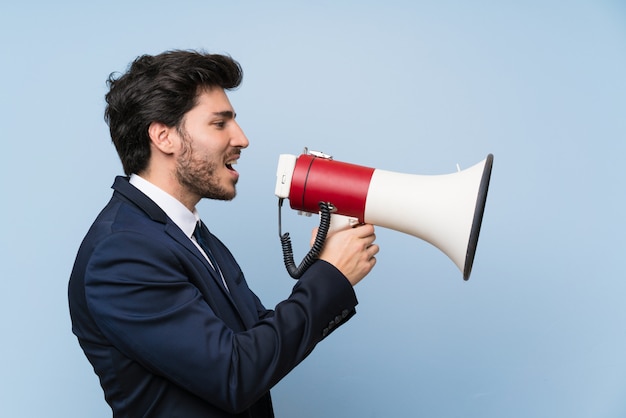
(238, 138)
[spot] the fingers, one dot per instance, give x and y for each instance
(352, 251)
(371, 251)
(367, 234)
(364, 230)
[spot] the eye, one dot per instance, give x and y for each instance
(219, 124)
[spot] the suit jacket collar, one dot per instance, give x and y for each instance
(134, 196)
(184, 218)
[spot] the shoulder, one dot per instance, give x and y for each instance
(123, 232)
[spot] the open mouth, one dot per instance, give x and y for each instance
(230, 164)
(231, 160)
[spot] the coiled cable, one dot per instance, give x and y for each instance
(326, 209)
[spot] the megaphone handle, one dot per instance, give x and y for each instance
(339, 222)
(296, 272)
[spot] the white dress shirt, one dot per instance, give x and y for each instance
(185, 219)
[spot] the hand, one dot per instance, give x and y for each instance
(351, 251)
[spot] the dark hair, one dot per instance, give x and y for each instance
(160, 88)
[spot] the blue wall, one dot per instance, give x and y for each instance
(411, 86)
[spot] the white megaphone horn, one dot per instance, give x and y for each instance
(444, 210)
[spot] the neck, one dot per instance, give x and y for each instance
(169, 184)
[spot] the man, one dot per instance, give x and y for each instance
(159, 305)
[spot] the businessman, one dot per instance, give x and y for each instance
(158, 304)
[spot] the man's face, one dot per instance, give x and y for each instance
(211, 143)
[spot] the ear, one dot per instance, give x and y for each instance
(163, 137)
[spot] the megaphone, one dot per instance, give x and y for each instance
(443, 210)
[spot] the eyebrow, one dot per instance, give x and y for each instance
(226, 114)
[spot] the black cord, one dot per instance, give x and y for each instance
(326, 209)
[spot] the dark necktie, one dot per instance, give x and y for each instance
(201, 234)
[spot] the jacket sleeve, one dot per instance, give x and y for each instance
(139, 293)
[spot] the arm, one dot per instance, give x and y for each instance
(138, 291)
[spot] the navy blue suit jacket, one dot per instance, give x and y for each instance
(164, 336)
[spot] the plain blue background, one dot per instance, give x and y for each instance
(409, 86)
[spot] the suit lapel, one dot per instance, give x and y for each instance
(228, 266)
(176, 234)
(233, 276)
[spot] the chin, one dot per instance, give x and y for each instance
(222, 194)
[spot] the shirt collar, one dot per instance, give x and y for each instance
(185, 219)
